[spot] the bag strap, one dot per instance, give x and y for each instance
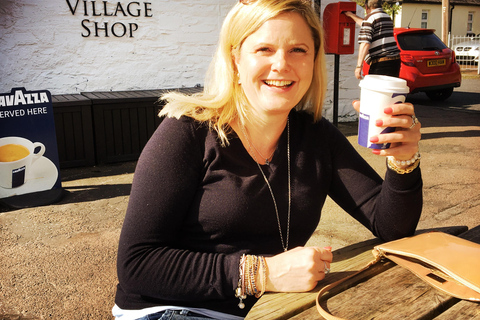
(401, 253)
(324, 313)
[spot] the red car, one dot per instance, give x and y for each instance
(428, 64)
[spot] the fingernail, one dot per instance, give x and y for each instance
(376, 151)
(328, 248)
(374, 139)
(388, 110)
(379, 123)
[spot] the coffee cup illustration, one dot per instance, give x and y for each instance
(16, 158)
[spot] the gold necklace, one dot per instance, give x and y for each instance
(284, 243)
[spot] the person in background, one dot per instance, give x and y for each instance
(377, 45)
(231, 185)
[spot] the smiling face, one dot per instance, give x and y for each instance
(276, 63)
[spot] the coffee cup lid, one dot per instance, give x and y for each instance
(382, 83)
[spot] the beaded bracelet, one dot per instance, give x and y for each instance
(250, 272)
(251, 269)
(412, 163)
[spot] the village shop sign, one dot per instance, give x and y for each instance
(93, 9)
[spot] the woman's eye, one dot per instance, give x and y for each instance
(300, 50)
(263, 49)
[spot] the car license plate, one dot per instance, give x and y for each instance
(436, 63)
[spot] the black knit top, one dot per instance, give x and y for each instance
(196, 207)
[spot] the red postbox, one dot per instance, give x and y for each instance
(339, 29)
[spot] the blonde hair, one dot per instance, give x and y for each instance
(223, 100)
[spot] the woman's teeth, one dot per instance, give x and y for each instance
(278, 83)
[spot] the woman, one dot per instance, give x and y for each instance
(230, 187)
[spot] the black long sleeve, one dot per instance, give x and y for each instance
(196, 207)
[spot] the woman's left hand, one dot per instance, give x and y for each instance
(404, 140)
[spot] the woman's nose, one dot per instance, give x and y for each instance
(280, 62)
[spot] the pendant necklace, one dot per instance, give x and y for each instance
(250, 145)
(267, 160)
(284, 243)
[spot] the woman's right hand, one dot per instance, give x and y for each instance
(297, 270)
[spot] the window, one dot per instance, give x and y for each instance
(424, 21)
(420, 41)
(470, 22)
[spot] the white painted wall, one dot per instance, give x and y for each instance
(411, 14)
(42, 47)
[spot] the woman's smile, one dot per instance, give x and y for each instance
(278, 83)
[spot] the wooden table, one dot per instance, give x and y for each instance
(390, 291)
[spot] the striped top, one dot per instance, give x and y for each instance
(377, 29)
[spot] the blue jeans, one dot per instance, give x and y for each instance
(174, 315)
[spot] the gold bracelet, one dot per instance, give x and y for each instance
(263, 275)
(250, 276)
(413, 164)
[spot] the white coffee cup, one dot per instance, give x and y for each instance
(16, 158)
(377, 93)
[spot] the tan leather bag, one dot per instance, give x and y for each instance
(448, 263)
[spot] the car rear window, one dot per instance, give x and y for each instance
(420, 42)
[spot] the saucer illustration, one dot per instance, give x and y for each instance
(42, 176)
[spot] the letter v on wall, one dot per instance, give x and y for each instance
(72, 9)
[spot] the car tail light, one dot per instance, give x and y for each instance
(407, 59)
(454, 57)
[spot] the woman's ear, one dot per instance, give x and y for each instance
(236, 61)
(236, 58)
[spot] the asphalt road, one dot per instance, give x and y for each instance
(464, 98)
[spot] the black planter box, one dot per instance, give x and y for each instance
(74, 130)
(106, 127)
(123, 122)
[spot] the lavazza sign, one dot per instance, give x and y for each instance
(96, 9)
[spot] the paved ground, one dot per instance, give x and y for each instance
(58, 261)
